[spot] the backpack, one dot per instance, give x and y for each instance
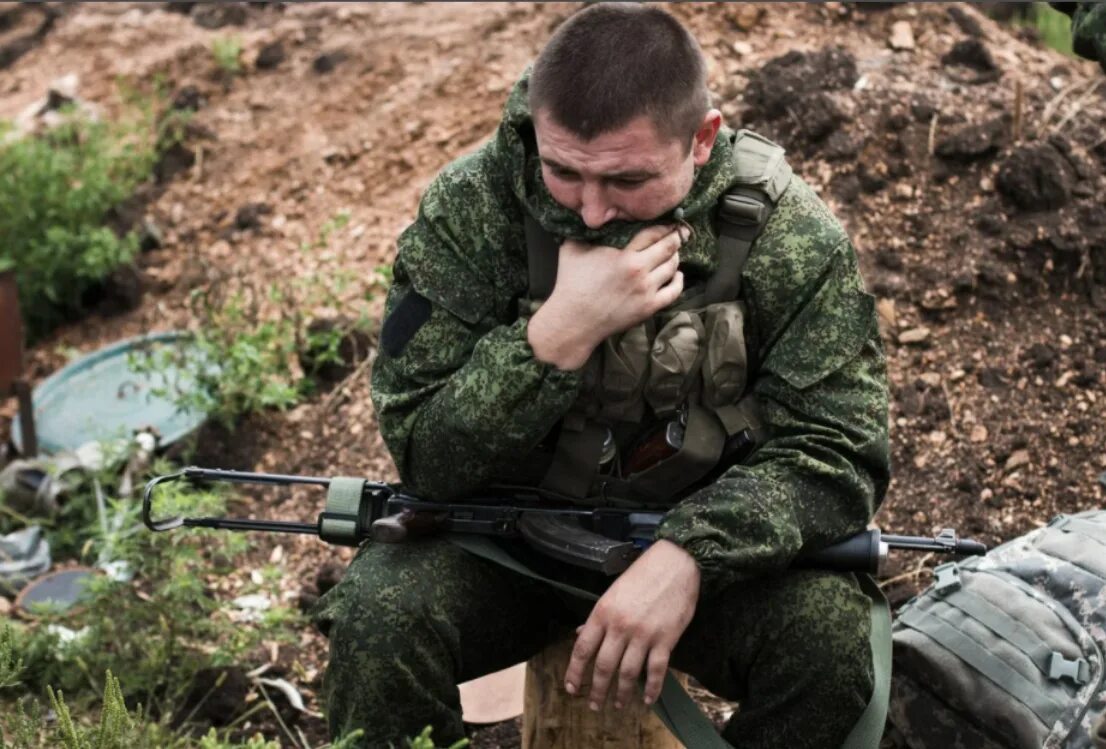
(1005, 651)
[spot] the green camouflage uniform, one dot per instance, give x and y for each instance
(461, 401)
(1088, 29)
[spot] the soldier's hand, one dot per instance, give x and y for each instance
(602, 290)
(636, 624)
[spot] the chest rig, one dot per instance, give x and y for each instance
(664, 405)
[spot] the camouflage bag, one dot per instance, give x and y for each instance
(1005, 651)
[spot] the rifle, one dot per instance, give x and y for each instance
(605, 539)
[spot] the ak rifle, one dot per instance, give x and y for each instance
(606, 539)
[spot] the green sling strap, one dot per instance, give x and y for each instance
(675, 707)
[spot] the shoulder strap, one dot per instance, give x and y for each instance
(541, 259)
(762, 175)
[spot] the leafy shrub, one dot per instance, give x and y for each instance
(55, 191)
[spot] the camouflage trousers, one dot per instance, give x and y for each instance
(410, 621)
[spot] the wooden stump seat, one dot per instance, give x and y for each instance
(554, 719)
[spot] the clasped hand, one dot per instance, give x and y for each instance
(602, 290)
(634, 625)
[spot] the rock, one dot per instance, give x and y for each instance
(1036, 178)
(914, 335)
(973, 142)
(1041, 355)
(742, 49)
(150, 235)
(842, 146)
(979, 434)
(902, 36)
(270, 56)
(990, 377)
(1016, 460)
(931, 379)
(973, 55)
(188, 98)
(967, 23)
(328, 61)
(5, 606)
(744, 16)
(249, 216)
(218, 15)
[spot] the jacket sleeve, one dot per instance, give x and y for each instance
(457, 392)
(822, 388)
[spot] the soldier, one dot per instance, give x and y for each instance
(499, 364)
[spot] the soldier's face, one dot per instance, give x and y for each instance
(629, 174)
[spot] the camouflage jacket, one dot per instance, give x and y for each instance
(1088, 29)
(461, 398)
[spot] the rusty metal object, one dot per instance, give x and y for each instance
(11, 360)
(11, 333)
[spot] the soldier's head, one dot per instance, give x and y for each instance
(621, 112)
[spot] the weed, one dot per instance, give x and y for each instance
(227, 52)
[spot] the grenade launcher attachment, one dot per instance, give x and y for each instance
(605, 539)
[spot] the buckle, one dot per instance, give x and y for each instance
(742, 210)
(946, 578)
(1078, 670)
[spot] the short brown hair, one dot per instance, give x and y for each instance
(613, 62)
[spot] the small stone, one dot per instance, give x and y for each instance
(914, 335)
(276, 555)
(986, 495)
(902, 36)
(742, 49)
(937, 437)
(5, 606)
(979, 434)
(1016, 460)
(249, 216)
(930, 378)
(270, 56)
(326, 62)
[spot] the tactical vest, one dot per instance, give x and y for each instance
(664, 405)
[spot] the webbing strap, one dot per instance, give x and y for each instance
(343, 502)
(868, 731)
(975, 655)
(1082, 526)
(675, 707)
(1002, 624)
(541, 259)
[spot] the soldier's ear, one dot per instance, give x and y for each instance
(705, 135)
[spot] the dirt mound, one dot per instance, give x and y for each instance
(966, 164)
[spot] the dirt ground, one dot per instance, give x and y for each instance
(966, 162)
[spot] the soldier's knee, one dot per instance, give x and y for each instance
(829, 628)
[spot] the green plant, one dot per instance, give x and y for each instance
(227, 50)
(56, 190)
(160, 628)
(258, 344)
(423, 741)
(11, 665)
